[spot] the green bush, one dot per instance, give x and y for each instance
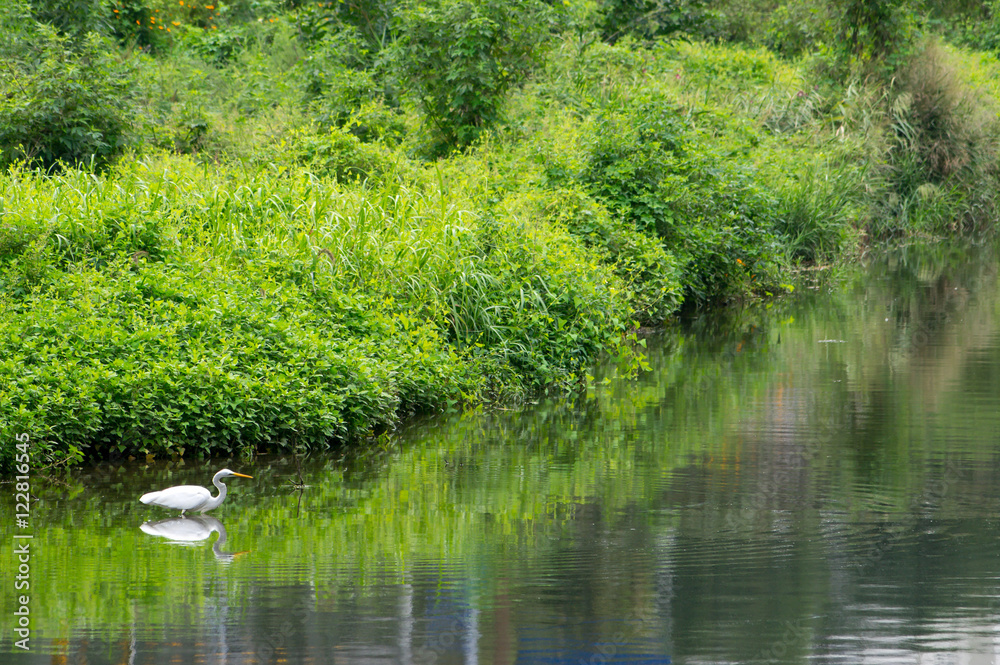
(873, 36)
(461, 58)
(647, 19)
(978, 28)
(66, 105)
(157, 358)
(795, 28)
(740, 21)
(650, 273)
(338, 153)
(371, 20)
(649, 167)
(345, 91)
(588, 78)
(531, 299)
(72, 18)
(130, 24)
(727, 66)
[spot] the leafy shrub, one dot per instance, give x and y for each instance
(377, 121)
(159, 359)
(462, 57)
(336, 91)
(191, 128)
(347, 91)
(217, 46)
(345, 88)
(794, 28)
(873, 35)
(739, 21)
(72, 18)
(649, 167)
(730, 66)
(650, 18)
(650, 273)
(64, 105)
(587, 78)
(978, 28)
(155, 25)
(271, 310)
(338, 153)
(341, 49)
(528, 298)
(87, 224)
(370, 19)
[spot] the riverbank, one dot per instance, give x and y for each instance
(286, 245)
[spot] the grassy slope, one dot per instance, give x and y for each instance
(288, 286)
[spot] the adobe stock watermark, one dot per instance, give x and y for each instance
(799, 632)
(22, 541)
(611, 650)
(464, 631)
(279, 639)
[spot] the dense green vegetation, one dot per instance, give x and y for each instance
(249, 225)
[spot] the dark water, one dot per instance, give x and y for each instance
(815, 481)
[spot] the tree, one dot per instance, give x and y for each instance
(60, 102)
(462, 57)
(872, 31)
(649, 18)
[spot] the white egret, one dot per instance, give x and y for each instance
(191, 497)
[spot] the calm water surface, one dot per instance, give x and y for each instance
(812, 482)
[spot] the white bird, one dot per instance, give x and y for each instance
(191, 497)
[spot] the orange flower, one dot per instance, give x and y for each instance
(740, 261)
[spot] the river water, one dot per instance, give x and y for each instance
(815, 480)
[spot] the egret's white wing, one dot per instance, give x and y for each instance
(182, 497)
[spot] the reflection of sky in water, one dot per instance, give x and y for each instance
(763, 496)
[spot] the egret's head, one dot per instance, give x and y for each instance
(227, 472)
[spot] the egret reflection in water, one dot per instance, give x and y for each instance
(191, 529)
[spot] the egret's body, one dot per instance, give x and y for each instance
(191, 497)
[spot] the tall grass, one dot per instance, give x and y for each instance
(942, 137)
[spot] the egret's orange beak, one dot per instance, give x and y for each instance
(241, 475)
